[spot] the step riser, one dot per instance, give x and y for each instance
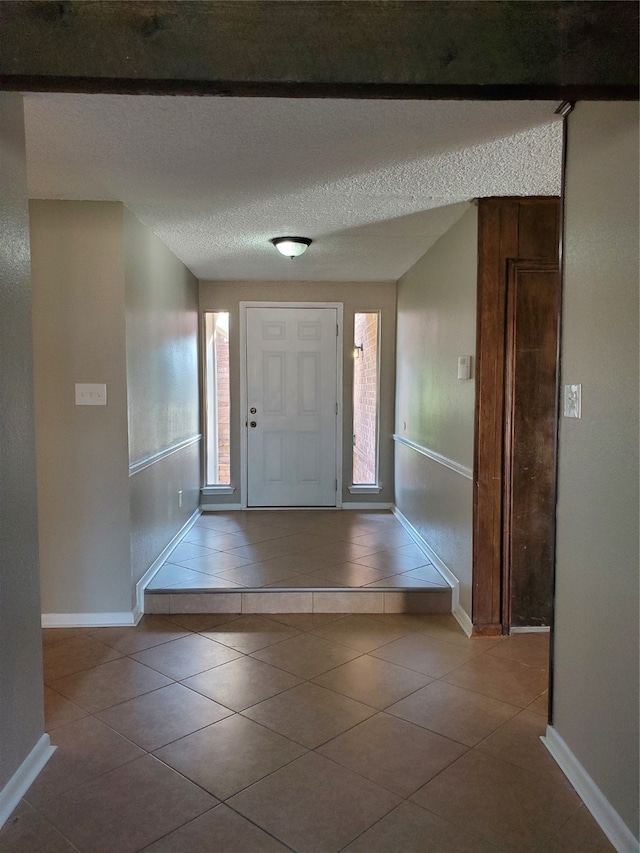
(262, 601)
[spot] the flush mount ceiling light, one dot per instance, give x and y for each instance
(292, 247)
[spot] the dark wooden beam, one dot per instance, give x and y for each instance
(320, 48)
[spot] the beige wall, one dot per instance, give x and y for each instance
(112, 305)
(82, 454)
(435, 410)
(161, 297)
(161, 302)
(595, 705)
(370, 296)
(21, 697)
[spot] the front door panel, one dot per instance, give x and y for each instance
(291, 405)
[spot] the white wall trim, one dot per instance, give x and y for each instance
(460, 615)
(219, 507)
(435, 457)
(159, 561)
(346, 505)
(217, 490)
(462, 618)
(91, 620)
(148, 461)
(365, 490)
(530, 629)
(603, 812)
(108, 620)
(24, 777)
(363, 505)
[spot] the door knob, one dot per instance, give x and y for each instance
(253, 424)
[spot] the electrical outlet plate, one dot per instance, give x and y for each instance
(572, 401)
(91, 394)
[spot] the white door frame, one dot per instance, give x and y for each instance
(339, 306)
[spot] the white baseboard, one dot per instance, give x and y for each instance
(362, 505)
(157, 564)
(463, 619)
(126, 618)
(603, 812)
(530, 629)
(23, 778)
(459, 613)
(205, 507)
(91, 620)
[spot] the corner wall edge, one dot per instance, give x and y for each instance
(601, 809)
(24, 777)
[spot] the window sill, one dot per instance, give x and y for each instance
(218, 490)
(365, 490)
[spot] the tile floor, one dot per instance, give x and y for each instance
(305, 561)
(323, 549)
(305, 732)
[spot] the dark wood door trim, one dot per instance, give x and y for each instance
(508, 229)
(487, 492)
(540, 464)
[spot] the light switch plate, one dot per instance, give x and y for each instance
(91, 394)
(464, 367)
(572, 401)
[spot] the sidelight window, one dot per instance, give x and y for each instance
(217, 409)
(365, 399)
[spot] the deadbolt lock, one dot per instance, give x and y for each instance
(253, 410)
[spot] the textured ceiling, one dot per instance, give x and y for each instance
(373, 183)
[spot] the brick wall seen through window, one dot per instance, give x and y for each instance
(218, 398)
(365, 399)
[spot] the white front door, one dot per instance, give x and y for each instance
(291, 406)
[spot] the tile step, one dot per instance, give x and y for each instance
(434, 600)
